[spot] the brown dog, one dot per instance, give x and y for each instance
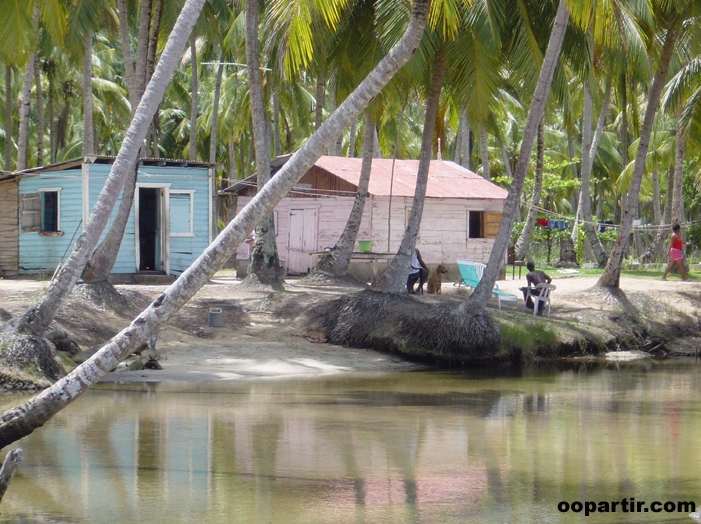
(435, 280)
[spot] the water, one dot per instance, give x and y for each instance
(396, 448)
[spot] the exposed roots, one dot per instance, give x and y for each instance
(103, 295)
(27, 359)
(445, 333)
(319, 277)
(253, 283)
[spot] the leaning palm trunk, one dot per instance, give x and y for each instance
(40, 114)
(336, 261)
(126, 52)
(393, 279)
(22, 420)
(192, 150)
(8, 118)
(100, 265)
(524, 239)
(38, 317)
(479, 298)
(612, 272)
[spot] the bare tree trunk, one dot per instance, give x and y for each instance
(141, 69)
(479, 298)
(52, 113)
(351, 139)
(320, 99)
(8, 118)
(40, 114)
(393, 279)
(22, 420)
(484, 152)
(24, 100)
(192, 151)
(215, 111)
(507, 167)
(612, 273)
(277, 150)
(126, 53)
(88, 144)
(264, 263)
(150, 64)
(677, 194)
(336, 261)
(9, 468)
(524, 239)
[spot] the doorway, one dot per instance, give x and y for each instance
(150, 229)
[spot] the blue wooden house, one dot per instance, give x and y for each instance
(171, 221)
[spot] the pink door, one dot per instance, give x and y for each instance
(303, 240)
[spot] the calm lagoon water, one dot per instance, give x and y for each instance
(392, 448)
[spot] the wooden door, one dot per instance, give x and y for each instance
(304, 231)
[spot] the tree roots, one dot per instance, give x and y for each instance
(445, 333)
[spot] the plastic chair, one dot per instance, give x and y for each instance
(471, 273)
(544, 297)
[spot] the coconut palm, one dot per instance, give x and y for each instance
(22, 420)
(671, 18)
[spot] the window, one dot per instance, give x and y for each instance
(49, 211)
(40, 211)
(180, 203)
(475, 223)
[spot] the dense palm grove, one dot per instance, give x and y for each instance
(313, 53)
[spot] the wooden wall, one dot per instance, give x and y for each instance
(9, 229)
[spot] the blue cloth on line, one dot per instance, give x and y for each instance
(556, 223)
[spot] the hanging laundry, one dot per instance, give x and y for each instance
(556, 223)
(604, 224)
(543, 222)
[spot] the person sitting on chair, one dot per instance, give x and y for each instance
(417, 271)
(533, 278)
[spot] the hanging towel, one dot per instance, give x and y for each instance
(543, 222)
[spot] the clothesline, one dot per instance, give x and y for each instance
(645, 227)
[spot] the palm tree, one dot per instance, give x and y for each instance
(22, 420)
(479, 298)
(672, 17)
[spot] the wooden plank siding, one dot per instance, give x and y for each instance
(332, 215)
(9, 227)
(443, 232)
(39, 253)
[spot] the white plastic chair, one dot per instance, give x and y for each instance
(544, 296)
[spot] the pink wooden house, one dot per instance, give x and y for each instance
(460, 218)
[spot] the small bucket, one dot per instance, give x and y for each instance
(364, 245)
(215, 317)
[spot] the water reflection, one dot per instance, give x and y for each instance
(413, 447)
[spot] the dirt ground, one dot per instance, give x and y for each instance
(261, 334)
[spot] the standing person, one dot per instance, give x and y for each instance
(533, 278)
(417, 271)
(675, 253)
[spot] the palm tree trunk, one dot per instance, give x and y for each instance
(465, 142)
(126, 53)
(24, 99)
(215, 111)
(679, 147)
(20, 421)
(479, 298)
(192, 150)
(589, 147)
(140, 70)
(38, 317)
(277, 151)
(351, 139)
(484, 152)
(524, 239)
(393, 279)
(264, 262)
(40, 114)
(336, 261)
(8, 118)
(612, 272)
(507, 167)
(320, 99)
(88, 145)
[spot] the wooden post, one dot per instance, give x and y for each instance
(9, 468)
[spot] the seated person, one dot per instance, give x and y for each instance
(533, 278)
(417, 271)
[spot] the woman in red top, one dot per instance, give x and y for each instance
(675, 254)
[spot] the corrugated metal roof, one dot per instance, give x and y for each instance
(445, 179)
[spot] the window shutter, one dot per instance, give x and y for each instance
(31, 212)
